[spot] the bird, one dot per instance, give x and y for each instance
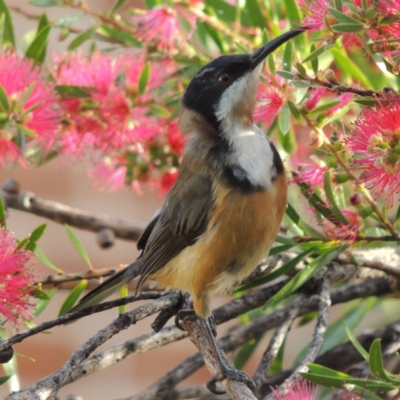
(221, 217)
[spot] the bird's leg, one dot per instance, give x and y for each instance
(186, 311)
(226, 370)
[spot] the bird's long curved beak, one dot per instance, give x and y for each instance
(259, 55)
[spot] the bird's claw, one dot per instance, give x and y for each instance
(183, 314)
(232, 374)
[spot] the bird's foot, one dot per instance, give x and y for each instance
(229, 372)
(183, 314)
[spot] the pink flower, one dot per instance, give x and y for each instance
(315, 96)
(16, 279)
(167, 181)
(32, 107)
(298, 390)
(315, 11)
(375, 142)
(344, 99)
(270, 101)
(343, 232)
(113, 115)
(175, 138)
(310, 173)
(161, 27)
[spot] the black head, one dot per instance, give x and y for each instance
(229, 83)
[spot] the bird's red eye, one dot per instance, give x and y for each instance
(225, 78)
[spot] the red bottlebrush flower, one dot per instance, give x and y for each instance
(32, 107)
(315, 97)
(175, 138)
(16, 279)
(161, 27)
(298, 390)
(114, 115)
(315, 11)
(343, 232)
(167, 181)
(312, 173)
(270, 102)
(375, 142)
(344, 99)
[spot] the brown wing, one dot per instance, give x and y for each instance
(183, 218)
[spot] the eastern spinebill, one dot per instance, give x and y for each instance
(223, 213)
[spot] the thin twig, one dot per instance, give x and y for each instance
(58, 212)
(48, 388)
(277, 339)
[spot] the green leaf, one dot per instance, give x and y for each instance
(366, 101)
(34, 237)
(74, 91)
(279, 249)
(284, 119)
(347, 28)
(42, 257)
(397, 218)
(4, 379)
(300, 83)
(123, 292)
(37, 49)
(319, 110)
(144, 78)
(285, 74)
(287, 57)
(314, 60)
(255, 15)
(46, 3)
(117, 6)
(159, 111)
(40, 294)
(78, 246)
(245, 352)
(42, 304)
(4, 99)
(376, 364)
(3, 214)
(73, 297)
(315, 53)
(67, 20)
(304, 275)
(81, 38)
(294, 15)
(331, 197)
(8, 33)
(284, 269)
(301, 69)
(293, 109)
(356, 343)
(343, 18)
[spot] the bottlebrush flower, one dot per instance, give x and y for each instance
(298, 390)
(344, 99)
(269, 102)
(167, 181)
(343, 232)
(16, 279)
(161, 27)
(314, 13)
(375, 142)
(315, 96)
(31, 110)
(310, 173)
(175, 138)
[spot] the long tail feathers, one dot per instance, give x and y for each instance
(109, 286)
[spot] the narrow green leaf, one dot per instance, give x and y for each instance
(315, 53)
(287, 57)
(321, 109)
(376, 364)
(144, 78)
(331, 197)
(67, 20)
(279, 249)
(300, 83)
(117, 6)
(284, 119)
(46, 3)
(284, 269)
(304, 275)
(8, 34)
(40, 294)
(397, 218)
(37, 49)
(343, 18)
(356, 343)
(73, 297)
(293, 109)
(292, 213)
(81, 38)
(347, 28)
(338, 5)
(294, 15)
(78, 246)
(123, 292)
(41, 305)
(74, 91)
(42, 257)
(314, 60)
(245, 352)
(35, 235)
(3, 215)
(4, 379)
(159, 111)
(4, 98)
(285, 74)
(255, 15)
(366, 101)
